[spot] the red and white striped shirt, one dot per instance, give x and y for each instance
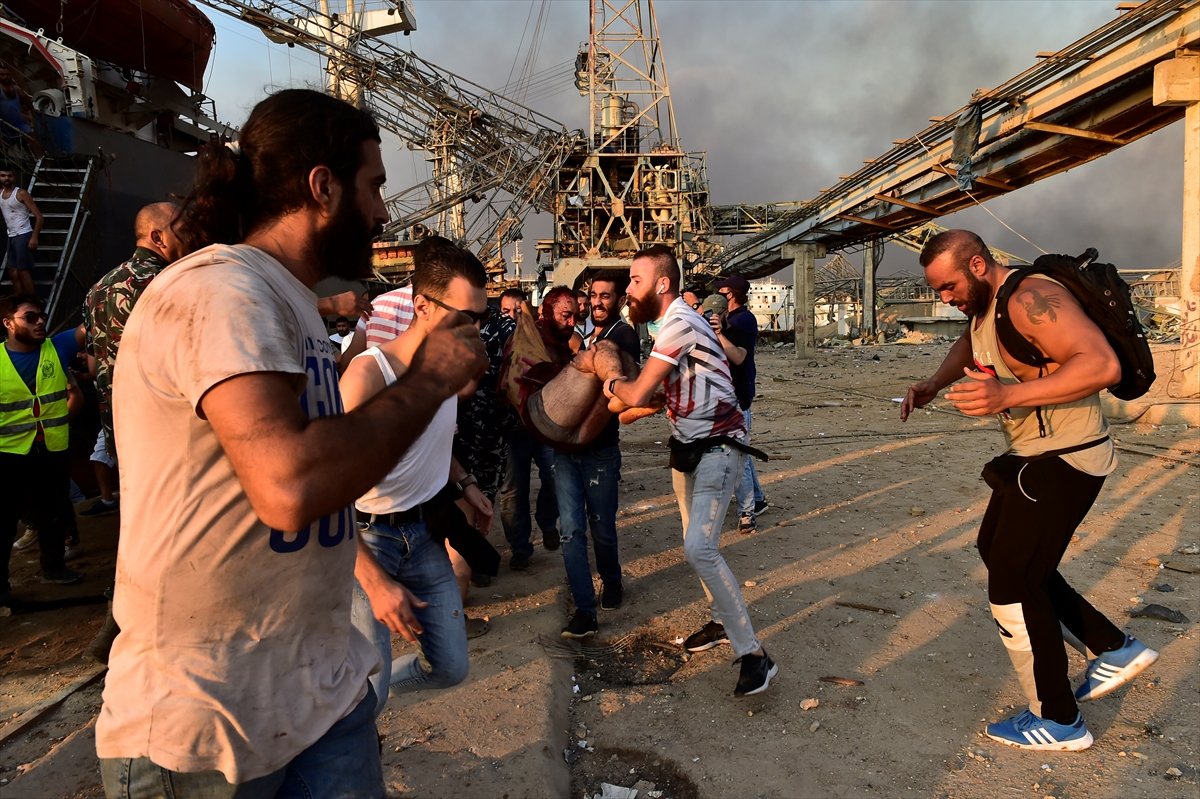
(391, 314)
(700, 399)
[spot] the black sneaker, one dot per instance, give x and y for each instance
(519, 562)
(611, 596)
(550, 540)
(582, 625)
(481, 580)
(61, 577)
(761, 506)
(706, 637)
(757, 671)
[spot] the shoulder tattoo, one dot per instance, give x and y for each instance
(1038, 307)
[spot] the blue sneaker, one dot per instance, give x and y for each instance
(1027, 731)
(1111, 670)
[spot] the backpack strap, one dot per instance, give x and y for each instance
(1011, 339)
(1014, 343)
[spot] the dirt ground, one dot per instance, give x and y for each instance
(863, 570)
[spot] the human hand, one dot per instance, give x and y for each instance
(351, 304)
(715, 322)
(33, 242)
(918, 396)
(451, 356)
(476, 507)
(982, 395)
(393, 605)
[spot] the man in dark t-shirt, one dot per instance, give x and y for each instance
(586, 481)
(737, 332)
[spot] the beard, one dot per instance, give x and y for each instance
(343, 247)
(640, 312)
(979, 296)
(28, 338)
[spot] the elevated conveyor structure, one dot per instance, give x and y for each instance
(1082, 102)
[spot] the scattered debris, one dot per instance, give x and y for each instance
(1163, 588)
(1176, 566)
(816, 725)
(809, 704)
(1189, 549)
(608, 791)
(861, 606)
(841, 680)
(1155, 611)
(915, 511)
(1173, 773)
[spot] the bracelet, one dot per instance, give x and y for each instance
(608, 389)
(467, 480)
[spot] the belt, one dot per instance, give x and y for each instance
(397, 518)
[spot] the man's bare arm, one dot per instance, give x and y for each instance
(24, 197)
(295, 469)
(638, 392)
(1082, 362)
(920, 394)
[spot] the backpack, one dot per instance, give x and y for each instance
(1106, 300)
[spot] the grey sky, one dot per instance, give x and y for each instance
(786, 96)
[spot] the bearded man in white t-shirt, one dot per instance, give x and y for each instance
(708, 448)
(237, 670)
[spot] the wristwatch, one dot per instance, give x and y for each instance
(608, 388)
(467, 480)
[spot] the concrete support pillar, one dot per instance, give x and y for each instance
(871, 259)
(1177, 82)
(804, 258)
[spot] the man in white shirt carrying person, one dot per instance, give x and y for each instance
(708, 434)
(1057, 457)
(403, 566)
(237, 671)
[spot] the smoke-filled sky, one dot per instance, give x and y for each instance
(786, 96)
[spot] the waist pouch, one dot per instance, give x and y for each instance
(685, 457)
(1003, 469)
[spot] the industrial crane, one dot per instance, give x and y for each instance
(489, 154)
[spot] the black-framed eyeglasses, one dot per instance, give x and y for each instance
(32, 318)
(478, 317)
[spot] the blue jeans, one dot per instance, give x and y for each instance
(748, 492)
(523, 451)
(586, 487)
(420, 564)
(703, 496)
(342, 764)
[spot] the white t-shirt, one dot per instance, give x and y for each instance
(425, 467)
(236, 649)
(700, 399)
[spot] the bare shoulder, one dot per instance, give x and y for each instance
(1039, 304)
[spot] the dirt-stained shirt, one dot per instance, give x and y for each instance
(105, 312)
(236, 650)
(700, 399)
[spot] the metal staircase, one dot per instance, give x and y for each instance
(60, 186)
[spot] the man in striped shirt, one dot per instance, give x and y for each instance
(708, 435)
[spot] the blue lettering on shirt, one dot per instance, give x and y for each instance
(320, 398)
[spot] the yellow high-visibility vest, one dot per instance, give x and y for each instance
(18, 421)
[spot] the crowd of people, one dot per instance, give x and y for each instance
(290, 499)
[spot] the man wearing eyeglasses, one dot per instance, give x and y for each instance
(37, 396)
(407, 582)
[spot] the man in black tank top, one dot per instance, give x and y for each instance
(1042, 486)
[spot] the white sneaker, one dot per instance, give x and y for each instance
(27, 540)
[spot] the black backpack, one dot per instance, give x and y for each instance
(1105, 298)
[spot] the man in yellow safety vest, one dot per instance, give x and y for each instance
(37, 395)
